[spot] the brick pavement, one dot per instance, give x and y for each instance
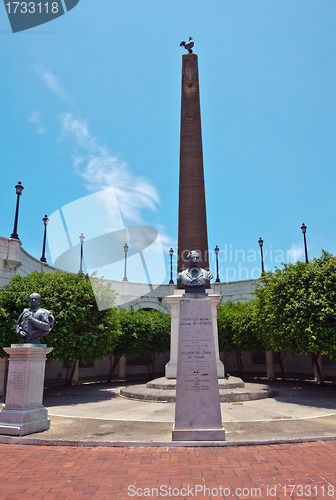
(56, 472)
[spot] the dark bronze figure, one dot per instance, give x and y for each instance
(194, 279)
(188, 45)
(34, 322)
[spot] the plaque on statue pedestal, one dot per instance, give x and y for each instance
(197, 410)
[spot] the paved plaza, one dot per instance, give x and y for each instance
(102, 446)
(301, 470)
(96, 413)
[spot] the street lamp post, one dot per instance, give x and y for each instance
(19, 188)
(217, 252)
(171, 253)
(45, 221)
(261, 242)
(126, 247)
(81, 239)
(304, 229)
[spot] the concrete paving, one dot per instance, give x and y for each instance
(95, 413)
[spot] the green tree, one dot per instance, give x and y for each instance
(81, 331)
(297, 308)
(238, 329)
(142, 333)
(125, 344)
(157, 337)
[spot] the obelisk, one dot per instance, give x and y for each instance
(192, 228)
(192, 223)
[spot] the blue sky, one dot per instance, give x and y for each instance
(91, 101)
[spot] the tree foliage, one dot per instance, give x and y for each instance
(142, 333)
(238, 329)
(81, 331)
(297, 308)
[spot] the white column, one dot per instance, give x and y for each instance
(174, 302)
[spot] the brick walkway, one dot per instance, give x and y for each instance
(56, 472)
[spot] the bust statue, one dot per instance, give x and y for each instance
(34, 322)
(194, 279)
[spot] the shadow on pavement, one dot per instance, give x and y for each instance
(298, 392)
(79, 394)
(305, 392)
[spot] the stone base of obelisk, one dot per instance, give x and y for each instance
(174, 303)
(197, 409)
(24, 412)
(198, 435)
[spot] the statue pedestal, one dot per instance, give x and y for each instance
(3, 365)
(174, 302)
(24, 412)
(197, 409)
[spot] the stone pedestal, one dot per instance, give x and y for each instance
(174, 302)
(24, 412)
(197, 408)
(3, 370)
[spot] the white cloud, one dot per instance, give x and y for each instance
(102, 169)
(34, 117)
(295, 252)
(53, 83)
(166, 241)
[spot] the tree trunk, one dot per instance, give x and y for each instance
(270, 375)
(239, 363)
(72, 371)
(280, 360)
(315, 357)
(114, 360)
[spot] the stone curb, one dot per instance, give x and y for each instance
(170, 384)
(157, 444)
(143, 393)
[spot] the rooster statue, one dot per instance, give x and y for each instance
(188, 45)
